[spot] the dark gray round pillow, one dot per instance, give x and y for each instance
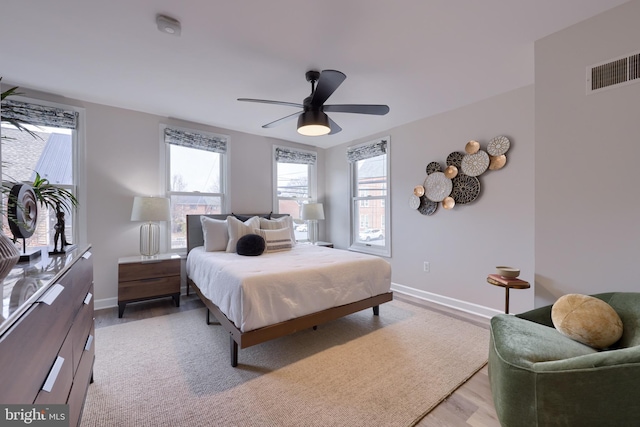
(250, 245)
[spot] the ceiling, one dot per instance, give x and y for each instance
(420, 57)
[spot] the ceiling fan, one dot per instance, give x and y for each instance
(312, 119)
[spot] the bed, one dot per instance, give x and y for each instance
(260, 298)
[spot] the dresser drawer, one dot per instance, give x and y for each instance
(81, 327)
(143, 270)
(149, 288)
(58, 382)
(82, 278)
(29, 347)
(82, 379)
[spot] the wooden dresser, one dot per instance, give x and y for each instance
(47, 332)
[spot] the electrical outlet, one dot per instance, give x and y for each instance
(426, 267)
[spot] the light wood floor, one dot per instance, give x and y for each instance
(469, 405)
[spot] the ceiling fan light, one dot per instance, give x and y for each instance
(313, 123)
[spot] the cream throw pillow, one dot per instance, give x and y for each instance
(276, 240)
(216, 234)
(587, 319)
(237, 229)
(278, 224)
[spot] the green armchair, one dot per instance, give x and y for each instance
(540, 377)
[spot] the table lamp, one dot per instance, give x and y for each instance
(312, 212)
(150, 210)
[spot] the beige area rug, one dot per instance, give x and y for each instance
(361, 370)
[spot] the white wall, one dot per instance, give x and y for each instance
(464, 244)
(587, 150)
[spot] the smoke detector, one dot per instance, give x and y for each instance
(168, 25)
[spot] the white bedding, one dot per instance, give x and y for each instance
(257, 291)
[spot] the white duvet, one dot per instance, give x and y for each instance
(256, 291)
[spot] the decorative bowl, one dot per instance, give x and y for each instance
(505, 271)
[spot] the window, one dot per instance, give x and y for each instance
(370, 231)
(50, 149)
(295, 175)
(196, 165)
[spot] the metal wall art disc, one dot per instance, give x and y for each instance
(414, 201)
(472, 147)
(427, 207)
(498, 145)
(437, 187)
(475, 164)
(433, 167)
(497, 162)
(22, 211)
(418, 190)
(450, 171)
(448, 202)
(455, 159)
(465, 189)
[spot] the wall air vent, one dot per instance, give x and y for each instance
(613, 73)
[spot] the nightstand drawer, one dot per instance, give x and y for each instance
(148, 288)
(144, 270)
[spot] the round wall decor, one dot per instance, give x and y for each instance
(414, 201)
(465, 189)
(455, 159)
(433, 167)
(437, 187)
(498, 145)
(475, 164)
(427, 207)
(472, 147)
(497, 162)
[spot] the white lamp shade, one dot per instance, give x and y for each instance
(312, 211)
(150, 209)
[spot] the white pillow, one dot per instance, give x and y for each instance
(276, 240)
(278, 224)
(216, 235)
(237, 229)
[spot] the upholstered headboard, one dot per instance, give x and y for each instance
(195, 236)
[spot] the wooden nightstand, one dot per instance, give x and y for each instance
(141, 278)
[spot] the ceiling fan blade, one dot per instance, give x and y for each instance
(377, 110)
(327, 84)
(266, 101)
(282, 120)
(334, 127)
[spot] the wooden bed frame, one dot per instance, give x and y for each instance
(239, 339)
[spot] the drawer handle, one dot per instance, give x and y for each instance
(151, 279)
(87, 299)
(50, 296)
(53, 375)
(87, 346)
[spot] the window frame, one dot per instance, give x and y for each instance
(312, 182)
(165, 161)
(356, 201)
(78, 137)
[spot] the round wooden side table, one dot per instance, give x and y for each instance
(507, 283)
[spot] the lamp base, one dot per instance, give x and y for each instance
(149, 239)
(312, 229)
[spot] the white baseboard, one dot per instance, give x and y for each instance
(99, 304)
(465, 306)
